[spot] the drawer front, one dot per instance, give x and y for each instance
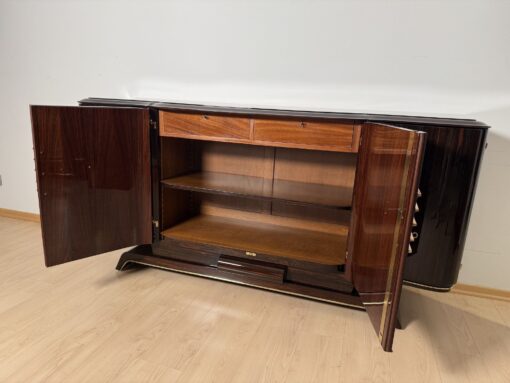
(252, 269)
(203, 126)
(311, 135)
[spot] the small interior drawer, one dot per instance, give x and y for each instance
(254, 269)
(204, 126)
(334, 136)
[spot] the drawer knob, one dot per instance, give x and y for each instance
(205, 117)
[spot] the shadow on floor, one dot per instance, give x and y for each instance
(462, 334)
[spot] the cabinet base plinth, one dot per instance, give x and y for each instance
(143, 256)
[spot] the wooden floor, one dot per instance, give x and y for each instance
(86, 322)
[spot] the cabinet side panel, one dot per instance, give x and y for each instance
(450, 169)
(93, 170)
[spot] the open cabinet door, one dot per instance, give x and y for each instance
(93, 176)
(386, 184)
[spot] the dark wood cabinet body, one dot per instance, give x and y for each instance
(451, 164)
(179, 146)
(450, 170)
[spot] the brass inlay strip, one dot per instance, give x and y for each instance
(244, 284)
(427, 286)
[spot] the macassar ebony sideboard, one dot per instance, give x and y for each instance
(337, 207)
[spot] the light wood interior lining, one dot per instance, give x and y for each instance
(259, 237)
(341, 227)
(315, 167)
(304, 230)
(324, 178)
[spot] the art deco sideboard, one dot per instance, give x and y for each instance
(328, 206)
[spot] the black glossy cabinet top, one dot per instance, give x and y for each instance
(438, 121)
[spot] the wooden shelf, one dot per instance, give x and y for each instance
(263, 238)
(263, 188)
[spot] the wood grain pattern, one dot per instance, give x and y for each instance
(250, 268)
(295, 176)
(452, 160)
(255, 187)
(254, 161)
(338, 222)
(155, 326)
(16, 214)
(385, 192)
(306, 134)
(297, 273)
(450, 171)
(199, 126)
(481, 291)
(327, 136)
(262, 238)
(93, 173)
(315, 167)
(143, 255)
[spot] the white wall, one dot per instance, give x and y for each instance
(448, 57)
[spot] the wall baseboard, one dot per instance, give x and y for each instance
(481, 292)
(459, 288)
(20, 215)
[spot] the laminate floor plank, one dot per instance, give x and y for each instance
(85, 322)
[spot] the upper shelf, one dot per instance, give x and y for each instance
(299, 193)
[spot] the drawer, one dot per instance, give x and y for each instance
(203, 126)
(341, 137)
(256, 270)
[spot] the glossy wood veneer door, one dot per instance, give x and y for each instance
(93, 173)
(384, 196)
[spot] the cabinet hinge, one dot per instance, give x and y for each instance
(155, 224)
(153, 124)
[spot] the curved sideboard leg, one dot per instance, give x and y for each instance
(134, 258)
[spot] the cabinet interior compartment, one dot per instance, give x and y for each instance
(281, 202)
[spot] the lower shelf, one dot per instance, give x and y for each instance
(256, 237)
